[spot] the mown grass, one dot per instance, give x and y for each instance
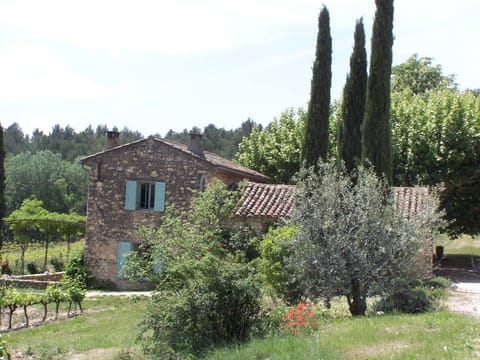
(436, 335)
(108, 323)
(464, 244)
(111, 323)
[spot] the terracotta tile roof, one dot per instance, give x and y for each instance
(216, 160)
(213, 159)
(278, 201)
(408, 200)
(266, 200)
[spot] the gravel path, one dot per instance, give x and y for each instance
(96, 294)
(465, 298)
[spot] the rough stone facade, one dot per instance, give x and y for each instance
(150, 160)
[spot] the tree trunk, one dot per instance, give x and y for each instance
(45, 259)
(22, 259)
(358, 301)
(26, 315)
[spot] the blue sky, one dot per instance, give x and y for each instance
(155, 65)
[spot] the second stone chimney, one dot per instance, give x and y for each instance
(196, 143)
(111, 140)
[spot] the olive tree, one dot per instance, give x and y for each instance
(349, 239)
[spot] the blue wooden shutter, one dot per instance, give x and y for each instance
(159, 196)
(157, 263)
(123, 248)
(131, 195)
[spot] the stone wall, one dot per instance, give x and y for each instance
(108, 222)
(37, 281)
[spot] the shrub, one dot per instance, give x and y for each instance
(410, 301)
(217, 305)
(75, 269)
(269, 321)
(207, 295)
(32, 268)
(5, 267)
(240, 238)
(57, 263)
(126, 354)
(437, 282)
(274, 249)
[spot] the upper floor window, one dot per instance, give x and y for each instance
(146, 196)
(141, 195)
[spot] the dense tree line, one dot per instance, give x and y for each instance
(64, 141)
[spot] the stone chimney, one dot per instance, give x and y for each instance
(196, 143)
(112, 140)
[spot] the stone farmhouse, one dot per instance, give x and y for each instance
(130, 185)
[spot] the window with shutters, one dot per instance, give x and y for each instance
(141, 195)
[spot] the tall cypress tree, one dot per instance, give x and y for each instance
(315, 143)
(3, 207)
(376, 134)
(349, 143)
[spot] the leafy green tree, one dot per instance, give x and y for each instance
(206, 295)
(59, 184)
(350, 241)
(275, 150)
(436, 140)
(353, 104)
(14, 139)
(24, 226)
(420, 75)
(376, 132)
(315, 145)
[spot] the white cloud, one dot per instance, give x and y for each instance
(33, 72)
(164, 27)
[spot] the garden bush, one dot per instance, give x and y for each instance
(207, 294)
(75, 269)
(218, 304)
(57, 263)
(32, 268)
(409, 301)
(437, 282)
(5, 267)
(274, 248)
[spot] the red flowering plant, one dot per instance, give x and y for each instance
(300, 318)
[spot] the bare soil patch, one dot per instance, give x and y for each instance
(367, 352)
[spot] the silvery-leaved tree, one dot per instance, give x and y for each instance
(350, 241)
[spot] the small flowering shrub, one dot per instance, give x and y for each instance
(300, 318)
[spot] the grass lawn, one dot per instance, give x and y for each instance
(465, 244)
(108, 325)
(438, 335)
